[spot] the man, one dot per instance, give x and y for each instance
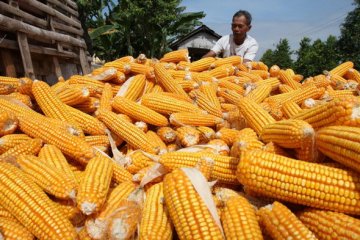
(239, 43)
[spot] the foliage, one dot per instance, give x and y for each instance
(313, 58)
(281, 56)
(349, 41)
(131, 27)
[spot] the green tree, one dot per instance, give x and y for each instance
(281, 56)
(349, 41)
(313, 59)
(131, 27)
(267, 57)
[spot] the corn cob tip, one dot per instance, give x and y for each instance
(268, 207)
(72, 194)
(88, 208)
(355, 113)
(96, 228)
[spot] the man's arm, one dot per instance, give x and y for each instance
(210, 53)
(251, 53)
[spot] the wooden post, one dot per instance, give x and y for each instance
(25, 55)
(83, 62)
(57, 67)
(10, 70)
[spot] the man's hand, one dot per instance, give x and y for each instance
(209, 54)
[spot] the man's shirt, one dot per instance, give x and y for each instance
(227, 47)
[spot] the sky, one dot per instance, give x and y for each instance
(276, 19)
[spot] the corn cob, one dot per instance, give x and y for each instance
(230, 96)
(31, 207)
(124, 222)
(233, 60)
(71, 212)
(137, 162)
(89, 106)
(253, 77)
(133, 87)
(157, 141)
(284, 88)
(8, 123)
(120, 174)
(120, 66)
(176, 56)
(224, 168)
(137, 68)
(29, 147)
(290, 109)
(288, 133)
(52, 157)
(353, 74)
(50, 180)
(195, 223)
(10, 80)
(239, 220)
(98, 140)
(73, 95)
(155, 221)
(274, 71)
(87, 81)
(231, 86)
(25, 86)
(127, 131)
(286, 78)
(340, 111)
(210, 89)
(106, 97)
(183, 65)
(94, 187)
(341, 69)
(340, 143)
(259, 93)
(245, 142)
(139, 112)
(166, 134)
(188, 136)
(169, 65)
(255, 116)
(300, 182)
(88, 123)
(222, 71)
(228, 135)
(194, 119)
(206, 133)
(174, 95)
(261, 73)
(166, 104)
(6, 89)
(127, 59)
(51, 105)
(11, 229)
(25, 99)
(96, 227)
(5, 213)
(166, 80)
(281, 223)
(330, 225)
(202, 64)
(104, 74)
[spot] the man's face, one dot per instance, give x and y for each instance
(239, 27)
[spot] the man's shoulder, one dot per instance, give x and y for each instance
(250, 40)
(224, 38)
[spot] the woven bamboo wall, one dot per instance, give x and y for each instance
(41, 39)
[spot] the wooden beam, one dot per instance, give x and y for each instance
(68, 29)
(57, 66)
(6, 56)
(10, 44)
(26, 17)
(72, 4)
(52, 12)
(64, 7)
(34, 32)
(25, 55)
(83, 62)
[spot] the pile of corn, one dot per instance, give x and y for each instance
(173, 149)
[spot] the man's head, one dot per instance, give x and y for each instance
(241, 24)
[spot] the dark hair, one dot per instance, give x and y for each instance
(244, 13)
